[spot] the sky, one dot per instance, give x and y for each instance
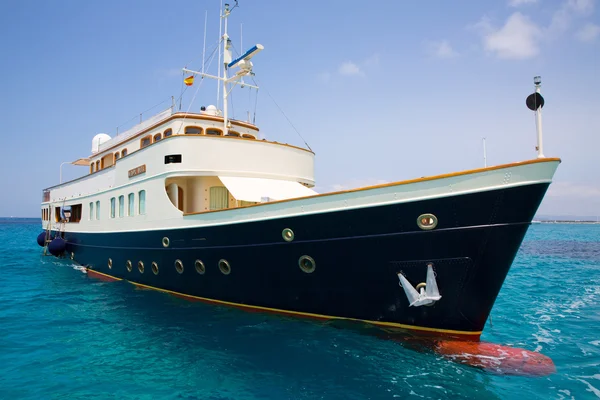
(370, 86)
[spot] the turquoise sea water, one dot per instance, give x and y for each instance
(64, 335)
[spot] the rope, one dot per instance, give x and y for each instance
(280, 110)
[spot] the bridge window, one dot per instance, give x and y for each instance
(193, 130)
(214, 131)
(248, 136)
(168, 132)
(123, 153)
(233, 133)
(145, 141)
(117, 155)
(157, 137)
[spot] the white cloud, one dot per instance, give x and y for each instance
(581, 6)
(588, 33)
(441, 49)
(518, 3)
(517, 39)
(562, 18)
(348, 68)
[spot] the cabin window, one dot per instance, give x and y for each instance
(157, 137)
(248, 136)
(98, 165)
(112, 207)
(121, 206)
(233, 133)
(193, 130)
(146, 141)
(117, 155)
(214, 131)
(168, 132)
(75, 211)
(123, 153)
(91, 168)
(130, 198)
(98, 209)
(219, 198)
(91, 211)
(142, 202)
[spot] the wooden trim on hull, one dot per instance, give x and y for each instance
(389, 327)
(398, 183)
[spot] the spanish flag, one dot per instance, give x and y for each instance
(189, 81)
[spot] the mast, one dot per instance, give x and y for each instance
(226, 61)
(242, 62)
(538, 117)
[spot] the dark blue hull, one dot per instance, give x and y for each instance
(357, 255)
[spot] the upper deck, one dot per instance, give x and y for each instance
(207, 149)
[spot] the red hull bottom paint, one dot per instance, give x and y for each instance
(503, 360)
(102, 277)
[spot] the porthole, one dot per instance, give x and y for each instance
(224, 267)
(427, 221)
(287, 234)
(179, 266)
(128, 264)
(200, 268)
(165, 242)
(141, 267)
(110, 263)
(307, 264)
(154, 267)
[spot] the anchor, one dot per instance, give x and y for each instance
(425, 296)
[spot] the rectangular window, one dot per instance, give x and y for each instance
(121, 206)
(142, 204)
(173, 158)
(112, 207)
(73, 213)
(91, 211)
(219, 198)
(98, 209)
(130, 208)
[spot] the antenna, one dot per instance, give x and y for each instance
(535, 102)
(204, 46)
(219, 63)
(484, 155)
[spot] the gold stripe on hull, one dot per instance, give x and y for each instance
(471, 335)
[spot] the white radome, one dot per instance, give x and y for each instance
(98, 140)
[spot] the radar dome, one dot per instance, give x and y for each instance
(98, 140)
(211, 110)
